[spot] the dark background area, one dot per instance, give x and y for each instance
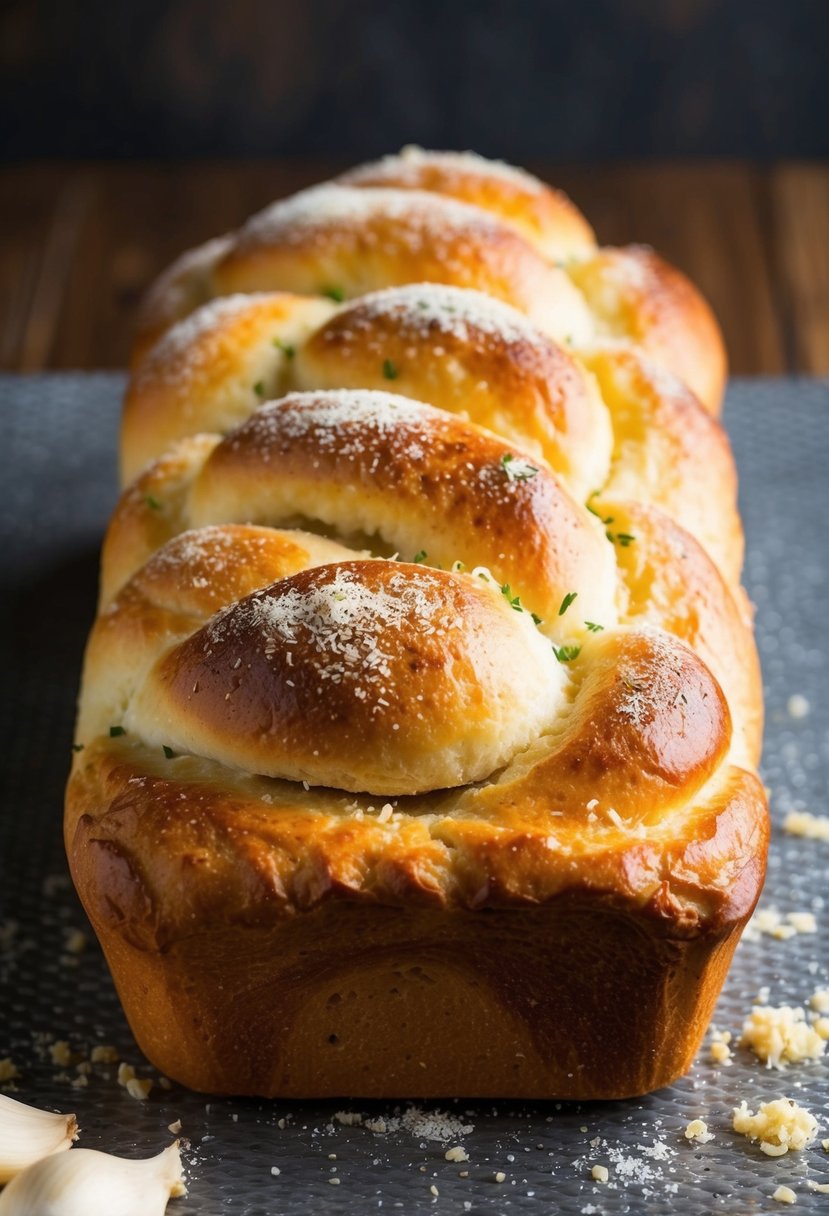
(596, 80)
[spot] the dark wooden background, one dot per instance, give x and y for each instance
(558, 80)
(133, 129)
(79, 244)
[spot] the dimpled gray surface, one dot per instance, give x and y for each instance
(58, 462)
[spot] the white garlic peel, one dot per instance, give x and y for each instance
(28, 1134)
(88, 1183)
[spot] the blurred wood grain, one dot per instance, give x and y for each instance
(81, 242)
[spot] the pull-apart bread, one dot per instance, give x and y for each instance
(417, 737)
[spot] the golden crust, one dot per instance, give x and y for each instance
(368, 676)
(471, 225)
(308, 768)
(638, 298)
(545, 217)
(371, 465)
(669, 452)
(229, 355)
(347, 241)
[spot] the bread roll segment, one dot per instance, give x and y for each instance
(419, 722)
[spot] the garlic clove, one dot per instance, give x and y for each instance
(88, 1183)
(28, 1134)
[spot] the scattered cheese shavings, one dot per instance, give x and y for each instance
(103, 1054)
(8, 1070)
(819, 1000)
(456, 1154)
(126, 1073)
(600, 1173)
(781, 1035)
(774, 924)
(720, 1050)
(424, 1124)
(802, 823)
(138, 1089)
(697, 1130)
(780, 1126)
(785, 1194)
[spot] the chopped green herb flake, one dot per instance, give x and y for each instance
(389, 370)
(77, 747)
(566, 602)
(536, 618)
(420, 556)
(334, 293)
(593, 627)
(152, 502)
(625, 539)
(514, 601)
(606, 519)
(259, 388)
(517, 468)
(566, 654)
(287, 349)
(168, 751)
(115, 731)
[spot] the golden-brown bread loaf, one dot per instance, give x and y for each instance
(420, 718)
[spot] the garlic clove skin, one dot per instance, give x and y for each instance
(28, 1134)
(86, 1182)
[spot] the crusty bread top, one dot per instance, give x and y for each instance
(429, 594)
(463, 222)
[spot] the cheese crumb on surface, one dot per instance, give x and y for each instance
(774, 924)
(8, 1070)
(103, 1055)
(175, 1128)
(140, 1090)
(126, 1073)
(785, 1194)
(697, 1130)
(802, 823)
(780, 1036)
(61, 1053)
(780, 1126)
(822, 1188)
(500, 1176)
(600, 1173)
(819, 1000)
(75, 941)
(720, 1052)
(456, 1154)
(798, 706)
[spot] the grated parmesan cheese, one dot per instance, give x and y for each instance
(798, 706)
(785, 1194)
(774, 924)
(8, 1070)
(427, 310)
(819, 1000)
(781, 1036)
(780, 1126)
(812, 827)
(697, 1130)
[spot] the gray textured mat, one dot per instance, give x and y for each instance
(58, 485)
